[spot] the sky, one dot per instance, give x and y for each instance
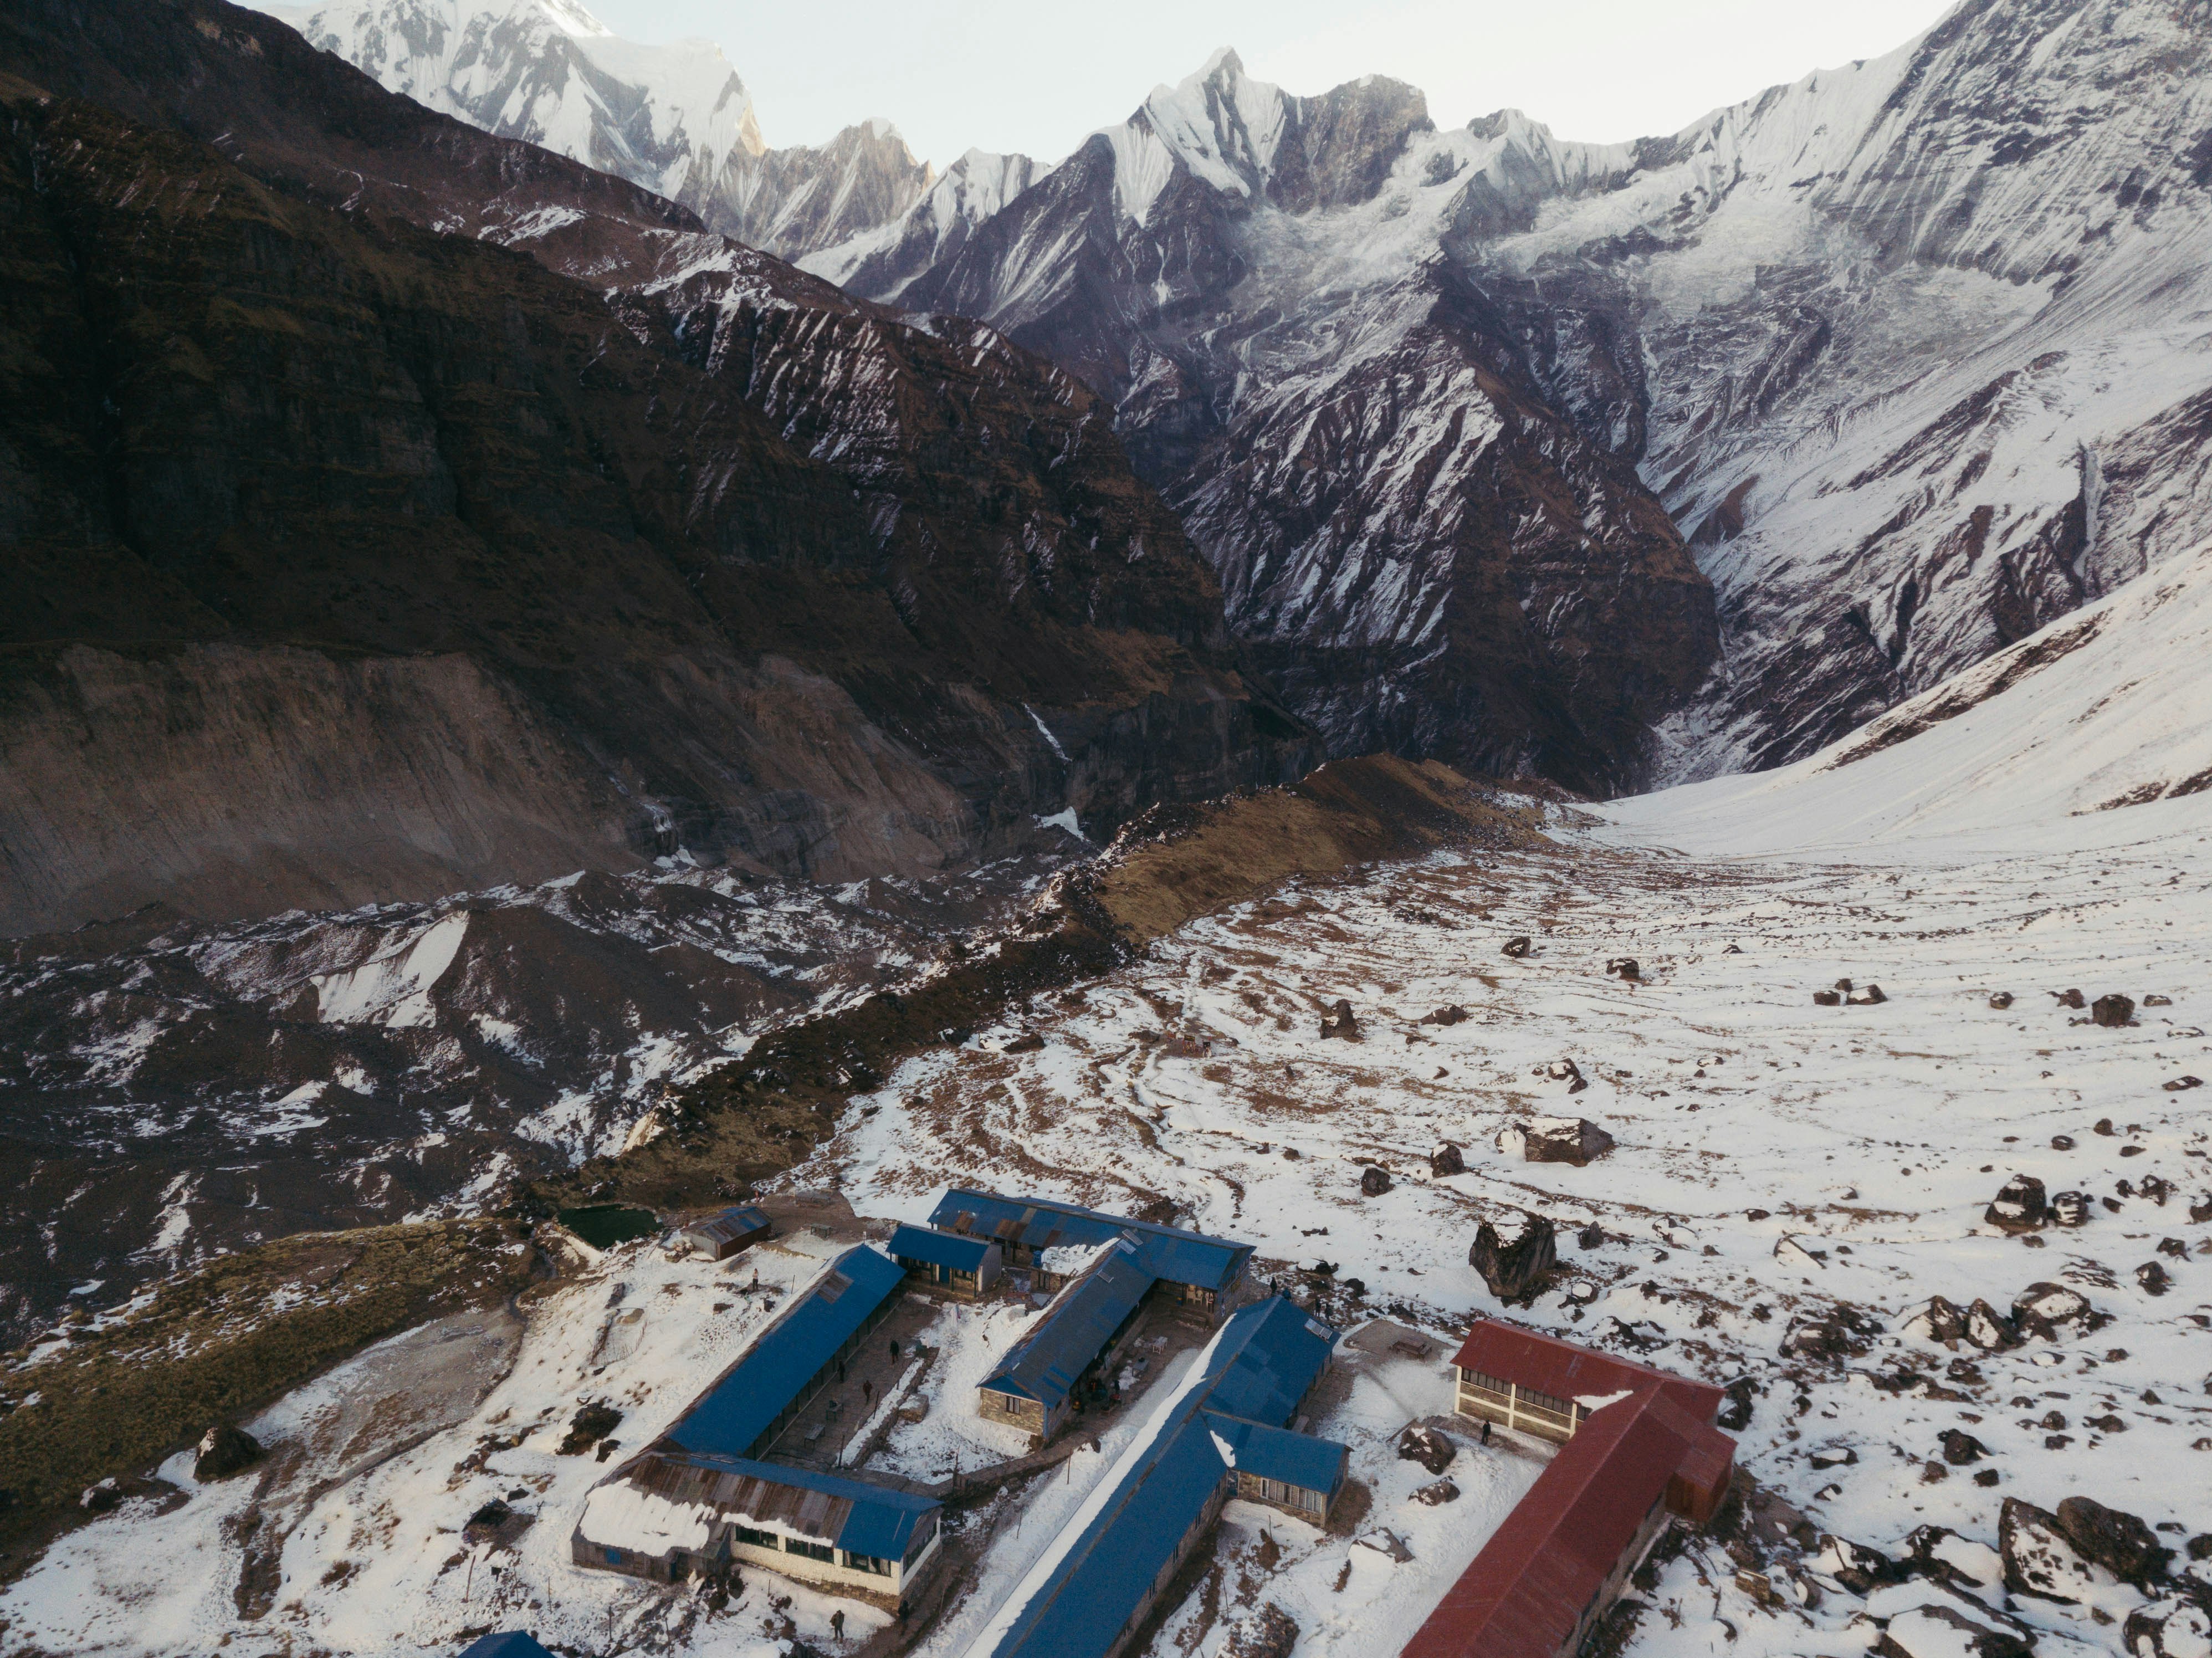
(1017, 75)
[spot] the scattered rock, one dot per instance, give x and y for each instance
(1941, 1554)
(1555, 1139)
(1940, 1320)
(2069, 999)
(2168, 1629)
(223, 1451)
(1624, 966)
(1447, 1159)
(2154, 1279)
(1270, 1632)
(1843, 987)
(2119, 1542)
(1827, 998)
(1442, 1491)
(1859, 1569)
(1517, 946)
(2020, 1207)
(2040, 1559)
(1432, 1450)
(591, 1424)
(1564, 1070)
(1592, 1237)
(1735, 1415)
(1374, 1181)
(1453, 1015)
(2158, 1001)
(2001, 1000)
(1339, 1022)
(2070, 1209)
(2113, 1011)
(1833, 1456)
(2040, 1310)
(2182, 1084)
(2062, 1142)
(1947, 1631)
(1960, 1447)
(1842, 1333)
(2104, 1127)
(1989, 1329)
(2201, 1210)
(2156, 1188)
(1517, 1271)
(1870, 997)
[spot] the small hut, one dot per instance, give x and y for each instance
(733, 1230)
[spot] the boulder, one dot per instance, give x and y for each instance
(2168, 1629)
(2043, 1311)
(1989, 1329)
(485, 1522)
(1624, 966)
(1339, 1022)
(1858, 1567)
(2040, 1559)
(223, 1451)
(2182, 1084)
(1940, 1320)
(591, 1424)
(1564, 1070)
(1453, 1015)
(1373, 1181)
(1432, 1450)
(1517, 946)
(1841, 1333)
(2119, 1542)
(103, 1498)
(1555, 1139)
(2001, 1000)
(2200, 1208)
(2156, 1188)
(1270, 1632)
(1949, 1631)
(1827, 998)
(2070, 1209)
(1442, 1491)
(1961, 1448)
(1592, 1237)
(1735, 1415)
(2069, 999)
(1447, 1159)
(2113, 1011)
(1941, 1555)
(2153, 1278)
(2020, 1207)
(1517, 1272)
(1870, 997)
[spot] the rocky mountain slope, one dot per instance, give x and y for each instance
(312, 479)
(1911, 352)
(676, 119)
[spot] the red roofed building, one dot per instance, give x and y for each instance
(1639, 1447)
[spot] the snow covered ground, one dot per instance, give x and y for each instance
(1792, 1183)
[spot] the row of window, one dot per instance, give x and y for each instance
(769, 1539)
(1527, 1398)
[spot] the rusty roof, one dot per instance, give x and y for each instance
(1567, 1372)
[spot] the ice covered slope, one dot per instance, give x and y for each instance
(2097, 729)
(675, 118)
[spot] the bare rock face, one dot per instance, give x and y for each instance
(1519, 1272)
(2039, 1558)
(2020, 1207)
(225, 1450)
(2113, 1012)
(1425, 1446)
(1555, 1139)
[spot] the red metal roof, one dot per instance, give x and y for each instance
(1528, 1589)
(1564, 1370)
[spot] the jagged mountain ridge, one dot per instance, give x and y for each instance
(1911, 350)
(522, 527)
(676, 120)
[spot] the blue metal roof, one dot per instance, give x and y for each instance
(1085, 1601)
(939, 1248)
(1080, 1321)
(751, 1393)
(1295, 1459)
(1269, 1356)
(507, 1643)
(1178, 1255)
(881, 1520)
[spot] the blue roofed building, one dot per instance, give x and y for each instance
(1102, 1575)
(1193, 1270)
(507, 1643)
(947, 1261)
(1081, 1334)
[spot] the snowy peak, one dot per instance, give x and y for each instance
(676, 120)
(881, 262)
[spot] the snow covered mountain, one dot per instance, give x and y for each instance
(675, 118)
(1914, 353)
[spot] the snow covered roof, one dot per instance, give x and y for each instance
(667, 1499)
(1080, 1321)
(731, 1415)
(1296, 1459)
(939, 1248)
(1079, 1598)
(1172, 1253)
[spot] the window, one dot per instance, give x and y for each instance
(1529, 1399)
(759, 1539)
(868, 1563)
(617, 1557)
(811, 1551)
(1488, 1384)
(924, 1529)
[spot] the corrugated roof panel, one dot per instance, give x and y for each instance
(1277, 1454)
(1178, 1255)
(752, 1392)
(1564, 1370)
(1070, 1334)
(964, 1255)
(864, 1518)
